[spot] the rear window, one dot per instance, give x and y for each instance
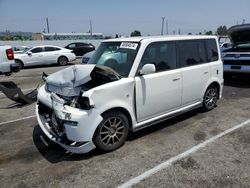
(81, 44)
(212, 51)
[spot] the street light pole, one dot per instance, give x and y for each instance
(166, 27)
(162, 25)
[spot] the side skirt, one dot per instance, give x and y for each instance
(166, 116)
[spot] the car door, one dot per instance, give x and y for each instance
(50, 55)
(33, 57)
(159, 92)
(194, 69)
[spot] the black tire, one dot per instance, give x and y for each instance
(62, 61)
(20, 63)
(210, 98)
(112, 131)
(7, 74)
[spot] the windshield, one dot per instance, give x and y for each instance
(118, 56)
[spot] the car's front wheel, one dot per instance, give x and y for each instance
(210, 98)
(112, 131)
(62, 60)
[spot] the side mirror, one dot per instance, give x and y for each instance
(147, 69)
(29, 53)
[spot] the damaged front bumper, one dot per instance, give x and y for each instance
(76, 126)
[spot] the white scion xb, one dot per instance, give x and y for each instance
(128, 84)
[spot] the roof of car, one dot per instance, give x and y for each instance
(159, 38)
(42, 46)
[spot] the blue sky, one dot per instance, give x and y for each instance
(122, 17)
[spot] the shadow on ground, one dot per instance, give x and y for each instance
(159, 126)
(237, 80)
(46, 66)
(53, 152)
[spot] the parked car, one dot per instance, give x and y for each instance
(80, 48)
(20, 49)
(237, 58)
(7, 63)
(225, 45)
(154, 78)
(86, 57)
(45, 55)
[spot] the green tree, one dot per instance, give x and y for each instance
(135, 33)
(222, 30)
(209, 33)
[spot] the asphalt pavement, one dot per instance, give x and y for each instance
(29, 159)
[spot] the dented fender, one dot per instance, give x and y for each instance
(103, 98)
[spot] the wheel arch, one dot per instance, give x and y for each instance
(19, 61)
(122, 110)
(62, 56)
(217, 85)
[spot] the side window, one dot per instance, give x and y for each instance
(162, 55)
(212, 50)
(49, 49)
(36, 50)
(191, 52)
(81, 44)
(56, 49)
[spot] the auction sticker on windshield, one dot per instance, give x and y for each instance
(129, 45)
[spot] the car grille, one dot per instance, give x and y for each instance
(236, 62)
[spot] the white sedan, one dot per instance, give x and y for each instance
(44, 55)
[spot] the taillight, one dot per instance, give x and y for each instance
(10, 54)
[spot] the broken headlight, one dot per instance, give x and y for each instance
(83, 103)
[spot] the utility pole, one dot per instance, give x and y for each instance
(166, 27)
(47, 21)
(90, 28)
(162, 25)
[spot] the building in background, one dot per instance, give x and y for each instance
(37, 36)
(66, 36)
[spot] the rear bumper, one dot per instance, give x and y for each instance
(8, 67)
(14, 67)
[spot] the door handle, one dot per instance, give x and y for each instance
(175, 79)
(205, 72)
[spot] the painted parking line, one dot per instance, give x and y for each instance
(170, 161)
(20, 119)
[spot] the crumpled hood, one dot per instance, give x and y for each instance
(239, 33)
(67, 82)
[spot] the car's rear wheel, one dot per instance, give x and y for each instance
(62, 61)
(210, 98)
(112, 131)
(20, 63)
